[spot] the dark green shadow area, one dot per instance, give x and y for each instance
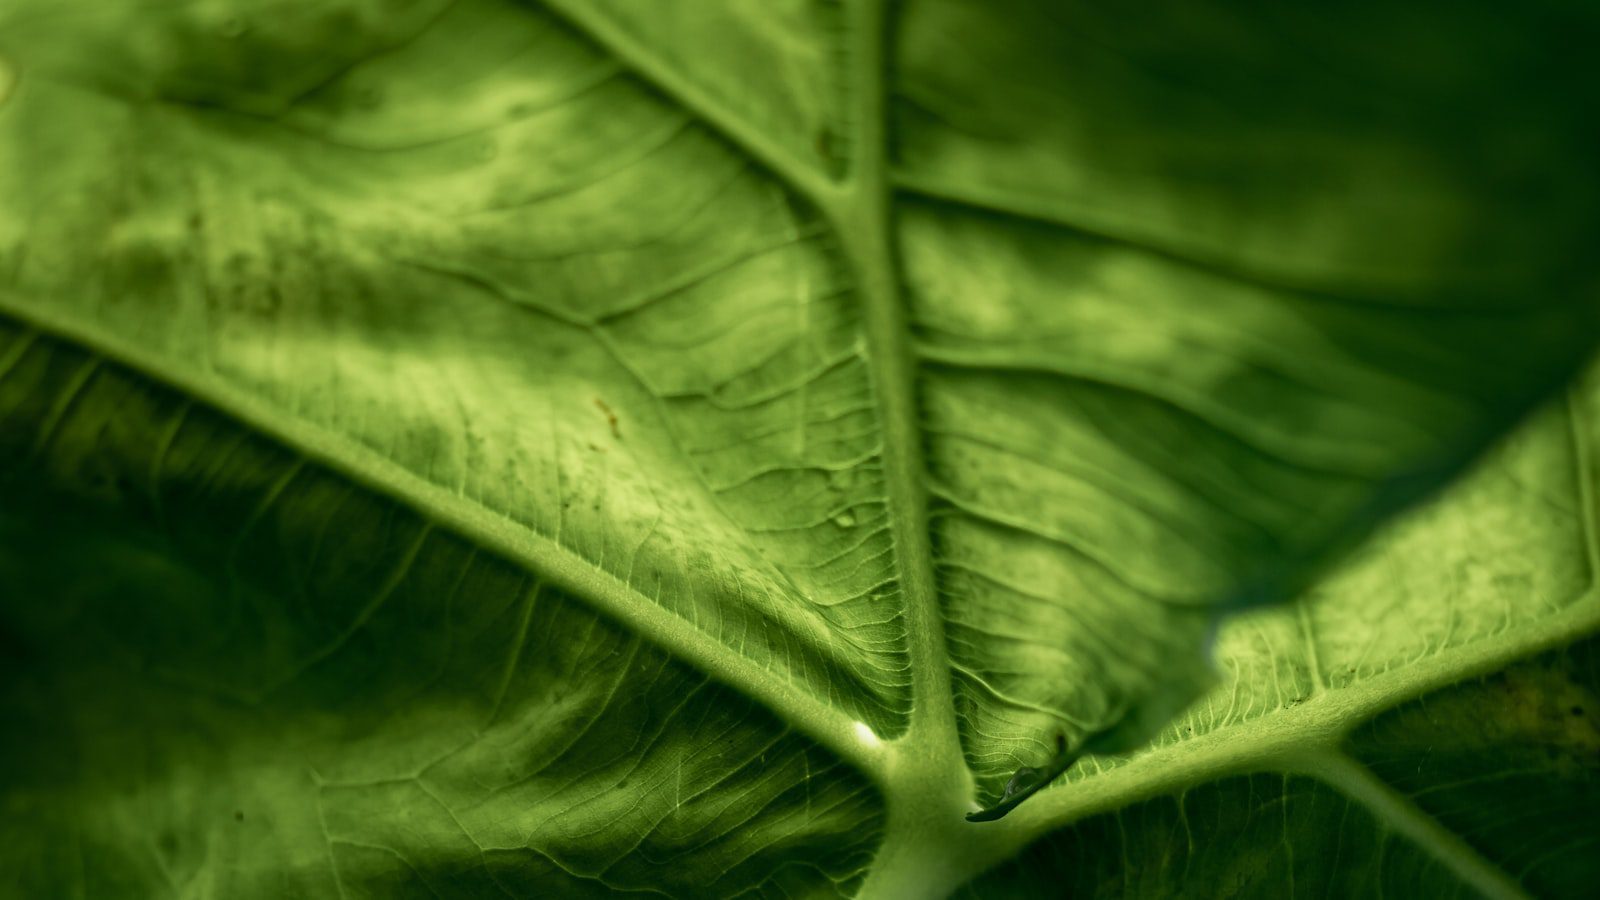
(228, 669)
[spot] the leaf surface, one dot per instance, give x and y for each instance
(482, 447)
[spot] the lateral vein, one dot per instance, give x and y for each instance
(1273, 742)
(809, 181)
(535, 552)
(1357, 782)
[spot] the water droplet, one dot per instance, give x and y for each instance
(846, 519)
(866, 735)
(232, 27)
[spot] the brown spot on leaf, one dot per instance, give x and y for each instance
(611, 418)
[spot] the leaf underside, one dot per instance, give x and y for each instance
(476, 448)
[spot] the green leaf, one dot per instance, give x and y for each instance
(476, 447)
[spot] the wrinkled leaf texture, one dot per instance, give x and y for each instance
(483, 448)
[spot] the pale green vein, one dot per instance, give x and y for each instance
(1274, 741)
(64, 400)
(865, 228)
(1308, 632)
(592, 23)
(930, 788)
(859, 210)
(14, 353)
(1400, 815)
(535, 552)
(1094, 224)
(1083, 221)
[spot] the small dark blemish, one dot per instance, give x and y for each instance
(1577, 710)
(611, 418)
(238, 815)
(824, 144)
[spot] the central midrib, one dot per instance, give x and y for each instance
(928, 846)
(858, 209)
(928, 849)
(862, 216)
